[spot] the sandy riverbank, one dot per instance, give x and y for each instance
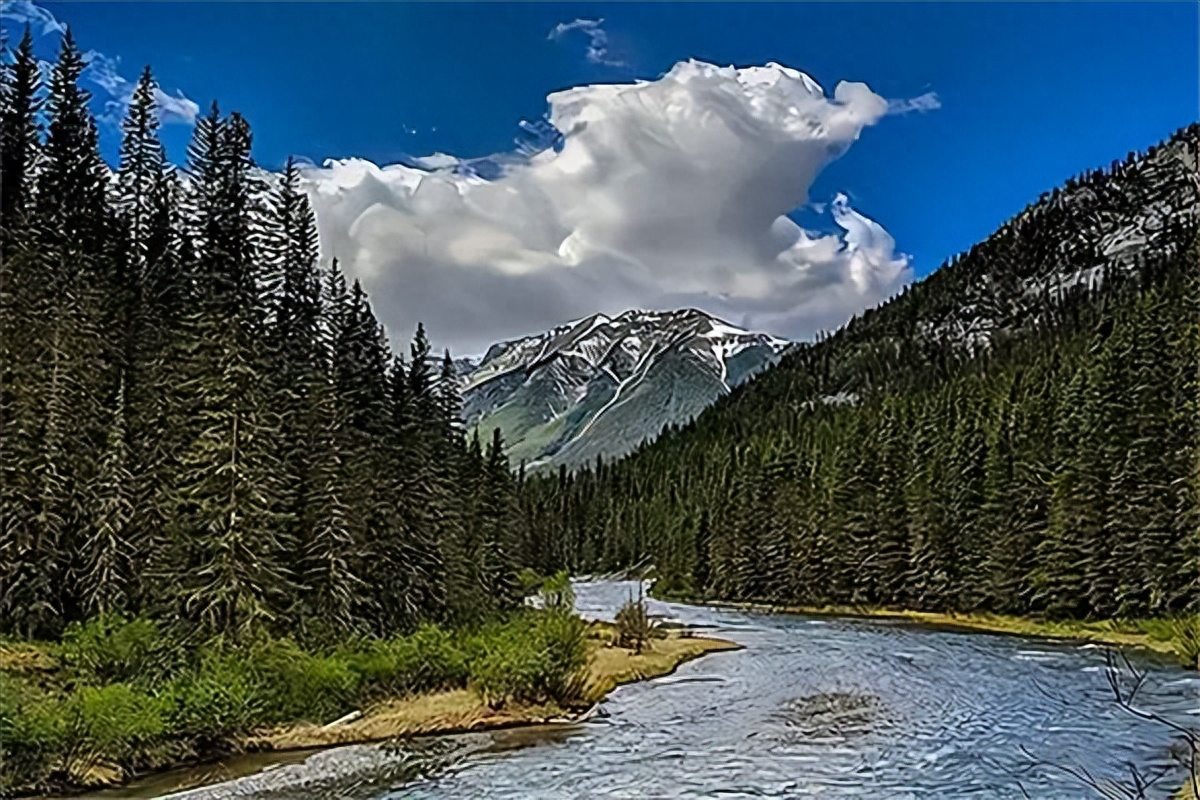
(461, 710)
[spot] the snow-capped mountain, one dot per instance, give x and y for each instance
(600, 386)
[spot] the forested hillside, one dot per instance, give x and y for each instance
(1017, 433)
(197, 422)
(203, 425)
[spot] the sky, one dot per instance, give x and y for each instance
(699, 187)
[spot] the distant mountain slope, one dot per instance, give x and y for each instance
(1017, 433)
(602, 385)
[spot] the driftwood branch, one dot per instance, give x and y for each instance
(1125, 681)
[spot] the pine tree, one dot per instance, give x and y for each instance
(20, 139)
(229, 538)
(110, 558)
(71, 186)
(72, 345)
(25, 558)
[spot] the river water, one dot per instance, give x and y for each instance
(810, 708)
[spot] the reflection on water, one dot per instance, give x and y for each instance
(827, 708)
(185, 777)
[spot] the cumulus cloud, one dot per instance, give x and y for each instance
(102, 71)
(597, 52)
(925, 102)
(658, 194)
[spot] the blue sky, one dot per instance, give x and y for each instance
(1030, 93)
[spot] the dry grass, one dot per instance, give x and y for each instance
(1114, 632)
(454, 711)
(612, 666)
(461, 710)
(23, 658)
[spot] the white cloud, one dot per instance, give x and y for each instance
(102, 72)
(597, 52)
(39, 20)
(925, 102)
(663, 194)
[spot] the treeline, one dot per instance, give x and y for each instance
(1017, 434)
(200, 423)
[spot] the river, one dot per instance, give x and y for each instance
(812, 707)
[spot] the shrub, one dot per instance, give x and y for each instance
(503, 673)
(425, 660)
(634, 626)
(217, 697)
(529, 581)
(561, 641)
(300, 686)
(534, 657)
(111, 723)
(112, 649)
(557, 594)
(33, 731)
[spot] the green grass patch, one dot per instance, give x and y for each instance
(1177, 637)
(118, 697)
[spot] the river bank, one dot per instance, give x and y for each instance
(113, 733)
(1177, 638)
(968, 714)
(462, 710)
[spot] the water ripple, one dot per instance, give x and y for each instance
(826, 708)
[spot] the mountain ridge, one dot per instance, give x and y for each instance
(603, 384)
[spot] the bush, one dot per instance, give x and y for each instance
(535, 657)
(42, 734)
(529, 581)
(113, 723)
(217, 697)
(33, 730)
(425, 660)
(301, 686)
(561, 640)
(112, 649)
(634, 626)
(557, 594)
(503, 673)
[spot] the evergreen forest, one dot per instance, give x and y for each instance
(201, 423)
(228, 501)
(1016, 434)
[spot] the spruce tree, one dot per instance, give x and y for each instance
(229, 539)
(20, 139)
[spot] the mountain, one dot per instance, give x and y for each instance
(602, 385)
(1016, 433)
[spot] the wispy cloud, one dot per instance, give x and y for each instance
(102, 72)
(23, 12)
(922, 103)
(597, 52)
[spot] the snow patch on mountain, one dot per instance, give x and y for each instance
(601, 385)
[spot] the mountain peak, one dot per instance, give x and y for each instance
(602, 384)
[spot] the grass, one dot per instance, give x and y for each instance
(116, 698)
(1177, 637)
